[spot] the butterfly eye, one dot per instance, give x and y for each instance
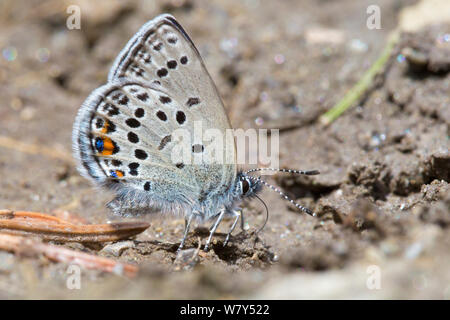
(245, 186)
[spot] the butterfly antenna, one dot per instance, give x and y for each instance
(267, 215)
(300, 207)
(308, 172)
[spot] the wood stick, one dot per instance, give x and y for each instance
(33, 247)
(52, 228)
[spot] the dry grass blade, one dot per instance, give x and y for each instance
(34, 247)
(28, 215)
(357, 91)
(49, 227)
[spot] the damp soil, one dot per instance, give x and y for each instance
(382, 198)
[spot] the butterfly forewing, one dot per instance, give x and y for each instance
(162, 55)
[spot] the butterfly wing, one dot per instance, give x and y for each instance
(124, 133)
(122, 139)
(162, 55)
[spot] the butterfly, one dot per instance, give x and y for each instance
(123, 134)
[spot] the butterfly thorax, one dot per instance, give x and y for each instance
(243, 187)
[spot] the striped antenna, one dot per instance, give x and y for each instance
(308, 172)
(306, 210)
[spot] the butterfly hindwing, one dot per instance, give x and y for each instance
(122, 135)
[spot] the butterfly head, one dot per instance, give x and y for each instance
(247, 185)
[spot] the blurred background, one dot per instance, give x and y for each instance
(382, 197)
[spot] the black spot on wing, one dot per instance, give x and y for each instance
(139, 113)
(172, 64)
(140, 154)
(161, 115)
(165, 99)
(133, 168)
(133, 165)
(99, 123)
(172, 40)
(133, 137)
(192, 102)
(116, 163)
(142, 96)
(110, 127)
(162, 72)
(181, 117)
(123, 100)
(157, 46)
(164, 142)
(132, 123)
(111, 110)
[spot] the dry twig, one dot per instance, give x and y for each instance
(33, 247)
(49, 227)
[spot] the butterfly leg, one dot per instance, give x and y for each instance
(216, 224)
(238, 214)
(242, 219)
(187, 224)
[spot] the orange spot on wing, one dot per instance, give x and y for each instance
(108, 147)
(119, 173)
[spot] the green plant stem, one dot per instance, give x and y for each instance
(363, 84)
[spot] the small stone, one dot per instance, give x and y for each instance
(117, 248)
(357, 45)
(27, 114)
(187, 259)
(413, 251)
(321, 35)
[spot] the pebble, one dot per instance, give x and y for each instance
(413, 251)
(187, 259)
(117, 248)
(357, 45)
(319, 35)
(27, 114)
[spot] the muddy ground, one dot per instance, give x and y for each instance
(382, 199)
